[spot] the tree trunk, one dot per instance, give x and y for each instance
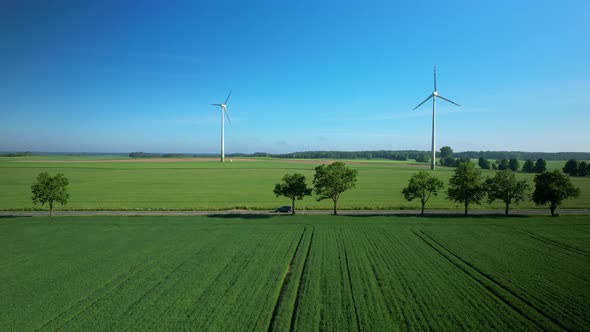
(422, 213)
(553, 207)
(293, 206)
(466, 207)
(50, 209)
(335, 212)
(507, 206)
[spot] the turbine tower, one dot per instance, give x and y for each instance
(434, 95)
(223, 110)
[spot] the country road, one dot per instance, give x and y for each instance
(515, 212)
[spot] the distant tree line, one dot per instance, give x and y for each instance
(17, 154)
(160, 155)
(520, 155)
(421, 156)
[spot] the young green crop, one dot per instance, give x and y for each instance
(294, 273)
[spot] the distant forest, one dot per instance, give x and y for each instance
(420, 156)
(423, 156)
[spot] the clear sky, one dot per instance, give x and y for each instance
(122, 76)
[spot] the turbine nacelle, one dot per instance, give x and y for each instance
(435, 93)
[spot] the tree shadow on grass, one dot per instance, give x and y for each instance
(443, 215)
(239, 216)
(13, 217)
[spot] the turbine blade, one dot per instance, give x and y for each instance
(434, 78)
(227, 97)
(450, 101)
(216, 104)
(227, 115)
(425, 100)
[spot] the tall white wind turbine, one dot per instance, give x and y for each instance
(223, 110)
(434, 95)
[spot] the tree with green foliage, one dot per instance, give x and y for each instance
(422, 185)
(466, 185)
(583, 169)
(293, 187)
(540, 166)
(571, 167)
(48, 189)
(529, 166)
(553, 187)
(513, 164)
(423, 158)
(502, 164)
(484, 163)
(504, 186)
(446, 152)
(332, 180)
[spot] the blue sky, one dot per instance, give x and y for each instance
(100, 76)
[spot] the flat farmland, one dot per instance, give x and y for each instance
(295, 273)
(209, 185)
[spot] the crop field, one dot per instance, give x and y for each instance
(209, 185)
(294, 273)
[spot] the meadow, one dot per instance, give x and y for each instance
(268, 273)
(202, 184)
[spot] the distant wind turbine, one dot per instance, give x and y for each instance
(434, 95)
(223, 110)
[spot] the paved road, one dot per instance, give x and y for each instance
(519, 212)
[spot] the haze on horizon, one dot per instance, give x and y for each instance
(114, 77)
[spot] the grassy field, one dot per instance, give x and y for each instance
(210, 185)
(301, 273)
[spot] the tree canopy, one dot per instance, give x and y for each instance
(293, 187)
(505, 187)
(540, 166)
(466, 185)
(553, 187)
(529, 166)
(48, 189)
(332, 180)
(421, 186)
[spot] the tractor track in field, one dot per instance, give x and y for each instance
(285, 281)
(429, 213)
(556, 244)
(422, 235)
(356, 314)
(299, 294)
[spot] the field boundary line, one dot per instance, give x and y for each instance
(301, 280)
(422, 234)
(285, 281)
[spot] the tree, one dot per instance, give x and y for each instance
(293, 187)
(553, 187)
(484, 163)
(332, 180)
(50, 189)
(529, 166)
(540, 166)
(502, 164)
(571, 167)
(446, 152)
(466, 185)
(422, 185)
(583, 169)
(513, 164)
(445, 157)
(505, 187)
(422, 158)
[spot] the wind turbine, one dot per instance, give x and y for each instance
(434, 95)
(223, 110)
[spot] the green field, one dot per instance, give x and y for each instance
(210, 185)
(303, 273)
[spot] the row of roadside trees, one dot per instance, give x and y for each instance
(467, 186)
